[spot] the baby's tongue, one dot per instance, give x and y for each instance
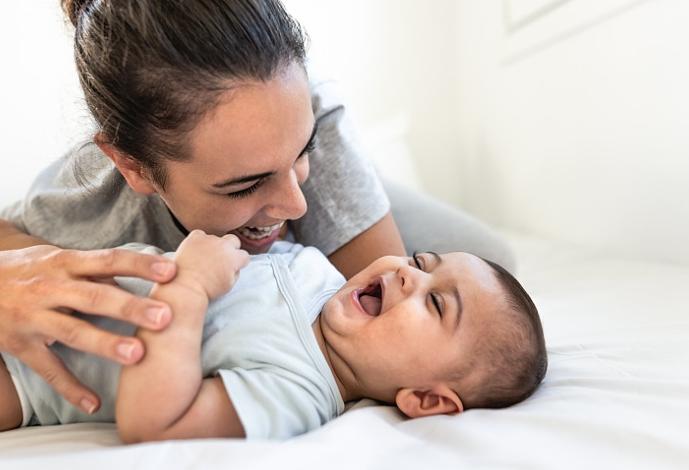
(370, 303)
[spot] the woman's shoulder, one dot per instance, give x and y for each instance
(82, 167)
(82, 178)
(82, 201)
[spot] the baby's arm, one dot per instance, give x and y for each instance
(164, 396)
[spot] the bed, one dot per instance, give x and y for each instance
(616, 394)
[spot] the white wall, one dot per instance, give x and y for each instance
(576, 127)
(569, 125)
(42, 111)
(381, 52)
(394, 60)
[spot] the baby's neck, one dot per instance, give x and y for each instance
(335, 363)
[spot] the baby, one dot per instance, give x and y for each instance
(291, 342)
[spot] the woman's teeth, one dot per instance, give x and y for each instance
(257, 233)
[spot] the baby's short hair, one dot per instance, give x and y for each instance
(511, 361)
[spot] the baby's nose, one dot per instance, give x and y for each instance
(407, 277)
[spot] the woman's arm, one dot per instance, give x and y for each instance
(382, 239)
(12, 238)
(165, 396)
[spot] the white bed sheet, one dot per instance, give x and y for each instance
(616, 394)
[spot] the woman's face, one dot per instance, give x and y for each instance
(249, 157)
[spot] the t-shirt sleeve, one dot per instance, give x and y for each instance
(343, 192)
(81, 201)
(271, 405)
(58, 208)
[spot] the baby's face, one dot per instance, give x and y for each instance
(405, 322)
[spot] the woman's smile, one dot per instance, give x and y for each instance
(257, 239)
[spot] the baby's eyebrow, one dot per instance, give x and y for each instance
(458, 299)
(455, 291)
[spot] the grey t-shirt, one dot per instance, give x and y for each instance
(99, 210)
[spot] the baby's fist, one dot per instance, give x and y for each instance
(212, 262)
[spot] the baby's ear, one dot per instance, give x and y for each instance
(438, 400)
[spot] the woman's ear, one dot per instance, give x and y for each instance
(440, 399)
(132, 171)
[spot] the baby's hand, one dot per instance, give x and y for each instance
(210, 263)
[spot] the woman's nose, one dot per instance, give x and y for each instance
(288, 202)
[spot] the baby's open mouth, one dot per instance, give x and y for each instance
(371, 298)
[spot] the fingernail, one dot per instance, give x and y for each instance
(87, 405)
(157, 315)
(125, 350)
(162, 268)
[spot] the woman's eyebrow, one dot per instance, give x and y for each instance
(243, 179)
(258, 176)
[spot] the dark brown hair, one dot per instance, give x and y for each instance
(150, 69)
(512, 356)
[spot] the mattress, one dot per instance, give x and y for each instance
(616, 394)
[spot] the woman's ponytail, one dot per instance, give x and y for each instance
(73, 9)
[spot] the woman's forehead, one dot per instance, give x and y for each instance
(256, 124)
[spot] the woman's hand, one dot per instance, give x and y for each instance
(210, 264)
(40, 285)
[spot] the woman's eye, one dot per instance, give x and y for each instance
(246, 192)
(309, 148)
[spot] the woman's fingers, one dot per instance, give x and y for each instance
(40, 285)
(114, 262)
(81, 335)
(106, 300)
(46, 364)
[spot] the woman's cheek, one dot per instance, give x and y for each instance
(238, 213)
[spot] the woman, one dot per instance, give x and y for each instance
(206, 120)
